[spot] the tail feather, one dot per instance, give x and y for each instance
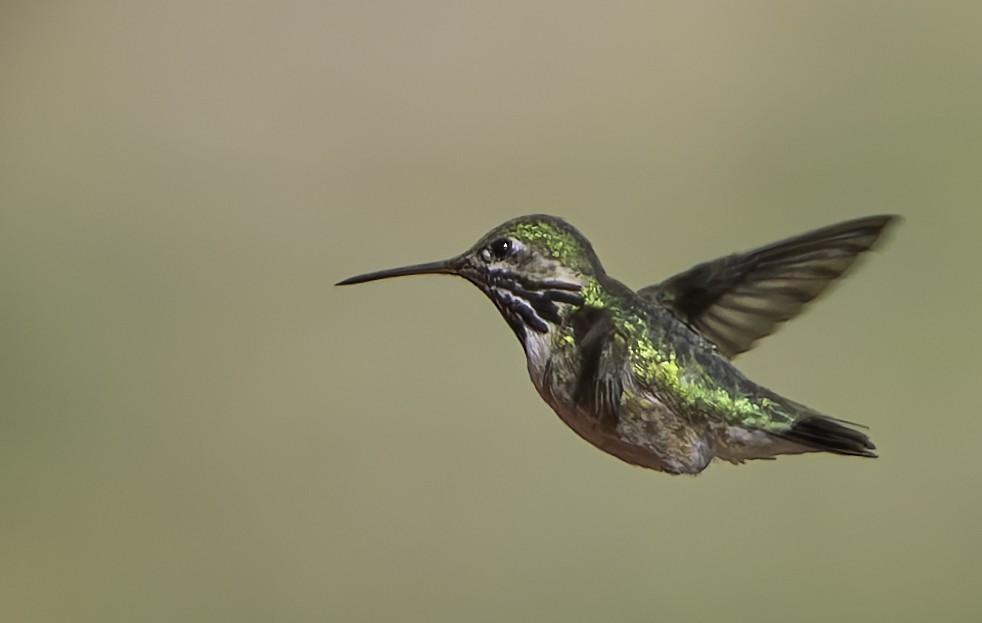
(828, 434)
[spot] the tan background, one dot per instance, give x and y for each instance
(196, 426)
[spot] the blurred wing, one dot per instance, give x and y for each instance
(735, 300)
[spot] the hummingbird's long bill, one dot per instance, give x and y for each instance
(430, 268)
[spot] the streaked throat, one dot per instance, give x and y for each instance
(529, 304)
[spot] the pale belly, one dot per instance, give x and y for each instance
(591, 430)
(633, 444)
(647, 432)
(729, 443)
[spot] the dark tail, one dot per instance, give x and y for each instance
(828, 434)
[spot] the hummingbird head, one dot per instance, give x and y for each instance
(533, 268)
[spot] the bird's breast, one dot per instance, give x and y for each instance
(554, 373)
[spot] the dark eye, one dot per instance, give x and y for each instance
(500, 248)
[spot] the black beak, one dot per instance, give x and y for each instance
(443, 267)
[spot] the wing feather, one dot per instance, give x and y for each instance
(736, 300)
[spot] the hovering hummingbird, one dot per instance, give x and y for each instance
(647, 376)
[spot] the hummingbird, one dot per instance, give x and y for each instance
(648, 375)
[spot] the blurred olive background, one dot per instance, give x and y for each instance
(196, 426)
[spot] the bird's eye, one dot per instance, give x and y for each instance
(501, 248)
